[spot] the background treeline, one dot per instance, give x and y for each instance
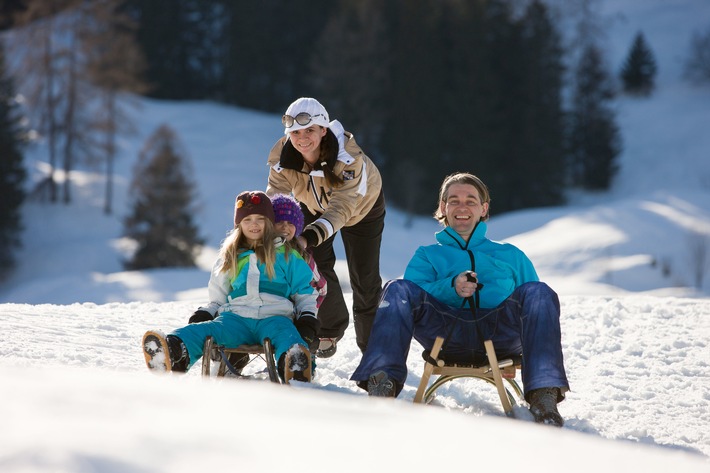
(428, 87)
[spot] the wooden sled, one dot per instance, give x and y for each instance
(265, 352)
(493, 372)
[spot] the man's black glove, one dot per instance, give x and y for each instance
(308, 327)
(200, 316)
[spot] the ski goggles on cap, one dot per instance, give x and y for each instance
(302, 119)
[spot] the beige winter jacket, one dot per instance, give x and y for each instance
(339, 207)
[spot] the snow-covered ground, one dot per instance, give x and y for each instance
(78, 398)
(636, 334)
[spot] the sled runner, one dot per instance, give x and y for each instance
(492, 370)
(265, 352)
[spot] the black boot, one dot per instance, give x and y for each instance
(381, 385)
(238, 361)
(179, 358)
(543, 406)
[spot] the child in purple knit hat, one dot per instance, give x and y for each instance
(287, 209)
(288, 222)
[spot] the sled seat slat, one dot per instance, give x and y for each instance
(264, 351)
(491, 370)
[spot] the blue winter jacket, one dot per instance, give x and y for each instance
(251, 294)
(501, 267)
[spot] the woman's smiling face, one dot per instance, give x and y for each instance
(307, 141)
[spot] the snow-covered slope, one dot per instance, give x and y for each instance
(635, 334)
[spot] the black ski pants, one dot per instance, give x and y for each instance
(362, 243)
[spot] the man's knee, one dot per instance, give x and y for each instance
(538, 300)
(538, 289)
(399, 291)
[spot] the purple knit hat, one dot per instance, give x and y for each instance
(286, 208)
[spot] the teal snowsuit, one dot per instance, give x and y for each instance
(251, 307)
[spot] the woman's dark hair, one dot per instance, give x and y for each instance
(328, 157)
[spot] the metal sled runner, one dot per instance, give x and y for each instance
(265, 352)
(493, 372)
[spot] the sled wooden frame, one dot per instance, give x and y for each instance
(265, 352)
(494, 373)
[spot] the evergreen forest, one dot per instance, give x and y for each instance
(427, 87)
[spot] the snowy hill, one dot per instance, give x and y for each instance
(635, 333)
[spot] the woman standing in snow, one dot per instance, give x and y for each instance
(340, 189)
(256, 283)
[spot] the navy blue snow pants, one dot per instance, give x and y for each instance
(527, 322)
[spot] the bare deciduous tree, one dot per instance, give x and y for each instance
(115, 65)
(77, 57)
(34, 43)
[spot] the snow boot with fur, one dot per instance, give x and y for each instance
(296, 364)
(164, 353)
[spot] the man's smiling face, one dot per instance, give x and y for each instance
(463, 209)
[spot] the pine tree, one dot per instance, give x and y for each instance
(268, 51)
(410, 135)
(537, 179)
(8, 9)
(12, 172)
(170, 35)
(697, 64)
(498, 96)
(358, 46)
(594, 139)
(162, 206)
(639, 70)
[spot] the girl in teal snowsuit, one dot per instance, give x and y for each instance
(258, 286)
